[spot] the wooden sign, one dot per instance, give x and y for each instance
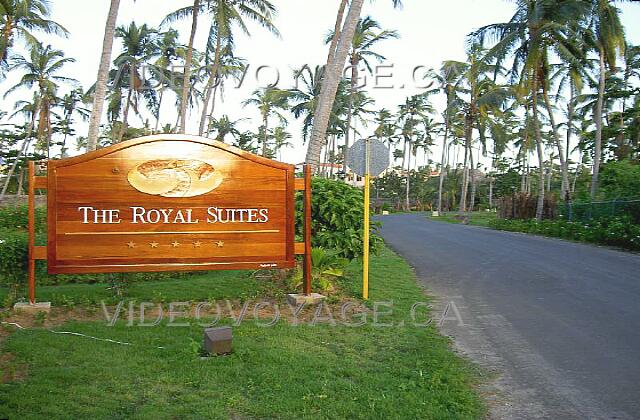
(169, 203)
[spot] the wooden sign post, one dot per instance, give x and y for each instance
(169, 203)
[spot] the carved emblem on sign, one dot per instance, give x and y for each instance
(175, 177)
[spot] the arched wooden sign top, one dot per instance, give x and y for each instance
(168, 203)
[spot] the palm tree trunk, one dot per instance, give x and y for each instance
(472, 203)
(186, 82)
(125, 118)
(564, 165)
(213, 107)
(408, 202)
(442, 159)
(265, 139)
(354, 87)
(598, 120)
(570, 115)
(155, 131)
(23, 150)
(337, 32)
(538, 132)
(19, 190)
(330, 83)
(465, 172)
(103, 74)
(213, 77)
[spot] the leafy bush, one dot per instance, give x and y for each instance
(326, 267)
(16, 217)
(620, 180)
(13, 256)
(614, 231)
(337, 218)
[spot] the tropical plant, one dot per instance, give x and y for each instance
(103, 76)
(536, 29)
(338, 52)
(367, 35)
(41, 68)
(19, 19)
(269, 101)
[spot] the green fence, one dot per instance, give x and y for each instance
(601, 209)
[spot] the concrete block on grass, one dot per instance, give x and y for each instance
(29, 308)
(300, 298)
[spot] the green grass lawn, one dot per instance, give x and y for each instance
(200, 286)
(478, 218)
(284, 371)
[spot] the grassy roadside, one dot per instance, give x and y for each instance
(478, 218)
(284, 371)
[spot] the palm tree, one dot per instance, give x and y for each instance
(72, 104)
(280, 140)
(41, 68)
(447, 80)
(269, 102)
(609, 41)
(168, 49)
(139, 46)
(29, 110)
(225, 14)
(536, 28)
(224, 126)
(368, 34)
(18, 19)
(103, 76)
(333, 75)
(411, 115)
(183, 13)
(230, 66)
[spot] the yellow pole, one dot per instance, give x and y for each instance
(365, 259)
(367, 199)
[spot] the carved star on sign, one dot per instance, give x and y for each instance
(154, 244)
(175, 244)
(131, 244)
(220, 244)
(197, 244)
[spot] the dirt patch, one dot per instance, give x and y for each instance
(10, 369)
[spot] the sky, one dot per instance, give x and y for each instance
(431, 31)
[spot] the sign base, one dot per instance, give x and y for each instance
(33, 308)
(311, 299)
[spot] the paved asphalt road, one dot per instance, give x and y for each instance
(559, 322)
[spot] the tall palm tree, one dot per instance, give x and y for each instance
(139, 46)
(609, 42)
(332, 76)
(230, 67)
(411, 115)
(281, 139)
(19, 19)
(41, 69)
(269, 101)
(225, 15)
(30, 111)
(447, 79)
(193, 11)
(368, 34)
(168, 49)
(224, 126)
(73, 103)
(103, 76)
(536, 29)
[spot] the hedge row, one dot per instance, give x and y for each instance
(614, 231)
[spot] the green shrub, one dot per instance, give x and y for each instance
(337, 214)
(614, 231)
(13, 256)
(17, 217)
